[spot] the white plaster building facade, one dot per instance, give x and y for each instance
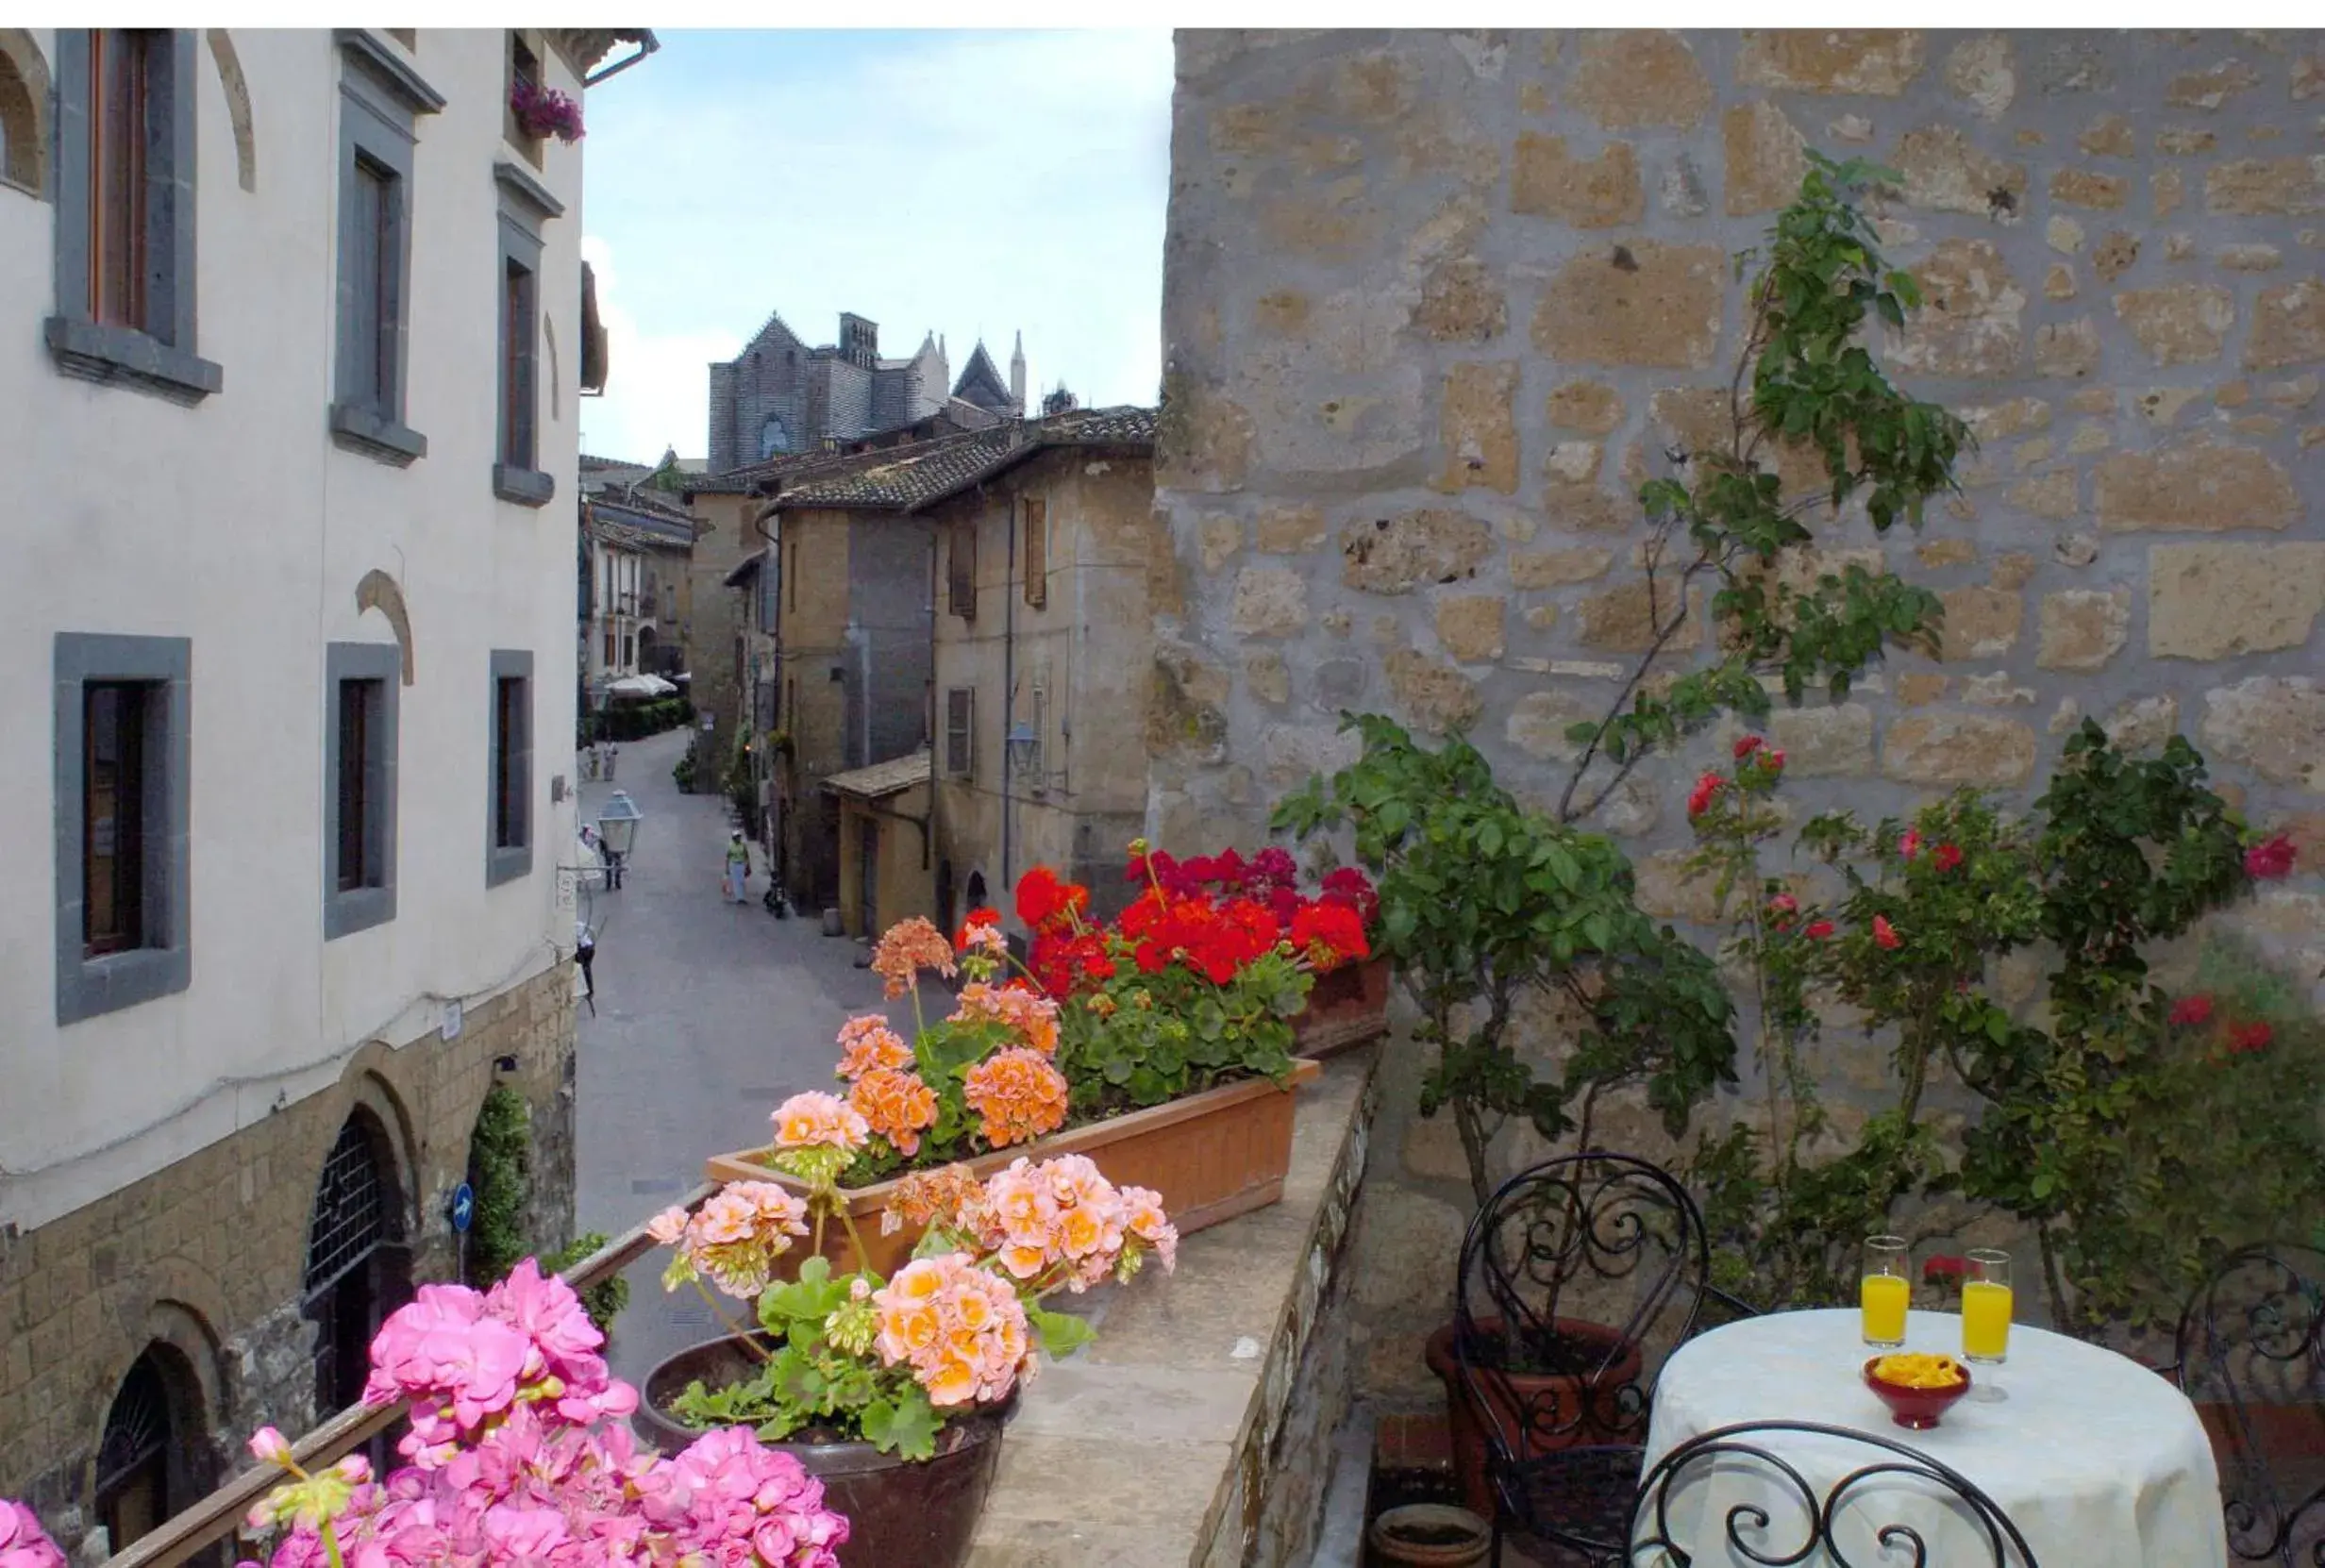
(293, 438)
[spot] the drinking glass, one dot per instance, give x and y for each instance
(1986, 1317)
(1885, 1292)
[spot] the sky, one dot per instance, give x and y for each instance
(954, 183)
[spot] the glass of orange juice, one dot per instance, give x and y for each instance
(1885, 1292)
(1986, 1315)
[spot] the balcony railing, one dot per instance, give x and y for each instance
(221, 1514)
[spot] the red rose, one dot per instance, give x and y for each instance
(1818, 930)
(1884, 934)
(1783, 904)
(2250, 1036)
(1746, 746)
(1943, 1268)
(1706, 786)
(1772, 760)
(2266, 863)
(2191, 1010)
(1945, 856)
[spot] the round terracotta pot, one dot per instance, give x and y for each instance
(901, 1513)
(1431, 1535)
(1465, 1418)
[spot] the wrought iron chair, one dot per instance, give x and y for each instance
(2250, 1343)
(1601, 1237)
(1766, 1531)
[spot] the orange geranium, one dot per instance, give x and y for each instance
(1018, 1094)
(1031, 1017)
(896, 1105)
(961, 1329)
(867, 1043)
(907, 947)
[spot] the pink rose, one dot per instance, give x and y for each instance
(2267, 861)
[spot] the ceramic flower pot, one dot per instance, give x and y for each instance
(1347, 1007)
(1431, 1535)
(1211, 1157)
(1467, 1417)
(901, 1513)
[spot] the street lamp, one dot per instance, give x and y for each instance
(1021, 744)
(617, 827)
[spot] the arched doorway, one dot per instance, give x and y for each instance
(153, 1458)
(358, 1267)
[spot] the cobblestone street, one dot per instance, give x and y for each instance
(708, 1015)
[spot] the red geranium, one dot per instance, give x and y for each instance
(1818, 930)
(1331, 934)
(1041, 899)
(2191, 1010)
(2266, 863)
(1943, 1268)
(1349, 886)
(1945, 856)
(1746, 746)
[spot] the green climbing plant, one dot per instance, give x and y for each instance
(603, 1300)
(500, 1161)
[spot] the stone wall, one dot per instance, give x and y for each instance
(1436, 303)
(207, 1257)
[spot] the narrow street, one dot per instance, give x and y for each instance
(708, 1015)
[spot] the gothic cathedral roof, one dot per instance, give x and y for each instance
(983, 384)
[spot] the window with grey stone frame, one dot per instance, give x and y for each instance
(381, 98)
(155, 353)
(526, 204)
(509, 844)
(368, 673)
(162, 962)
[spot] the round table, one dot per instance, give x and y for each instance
(2096, 1459)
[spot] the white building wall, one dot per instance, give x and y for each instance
(239, 524)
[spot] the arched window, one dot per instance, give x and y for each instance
(153, 1458)
(773, 437)
(24, 98)
(358, 1267)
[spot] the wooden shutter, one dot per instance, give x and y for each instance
(1037, 552)
(962, 559)
(960, 731)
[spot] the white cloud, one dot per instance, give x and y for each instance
(957, 183)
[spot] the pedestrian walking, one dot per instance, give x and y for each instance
(738, 868)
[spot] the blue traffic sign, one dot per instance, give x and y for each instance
(464, 1207)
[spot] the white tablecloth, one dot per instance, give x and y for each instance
(2098, 1461)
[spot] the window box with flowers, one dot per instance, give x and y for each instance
(544, 111)
(1161, 1043)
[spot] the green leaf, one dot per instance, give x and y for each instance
(905, 1425)
(1061, 1333)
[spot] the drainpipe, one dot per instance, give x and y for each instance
(1008, 688)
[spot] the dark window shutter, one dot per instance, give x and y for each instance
(960, 731)
(1037, 552)
(963, 562)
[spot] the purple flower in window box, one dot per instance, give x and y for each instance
(544, 111)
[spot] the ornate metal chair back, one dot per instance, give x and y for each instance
(2251, 1348)
(1791, 1519)
(1577, 1278)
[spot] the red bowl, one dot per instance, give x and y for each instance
(1918, 1409)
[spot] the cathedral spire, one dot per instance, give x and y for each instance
(1017, 374)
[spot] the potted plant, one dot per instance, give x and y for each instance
(1349, 1002)
(1152, 1042)
(518, 1453)
(892, 1387)
(544, 111)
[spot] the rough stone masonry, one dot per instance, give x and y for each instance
(1436, 303)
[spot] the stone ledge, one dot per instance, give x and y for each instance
(1156, 1447)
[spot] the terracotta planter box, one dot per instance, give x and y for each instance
(1345, 1009)
(1212, 1156)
